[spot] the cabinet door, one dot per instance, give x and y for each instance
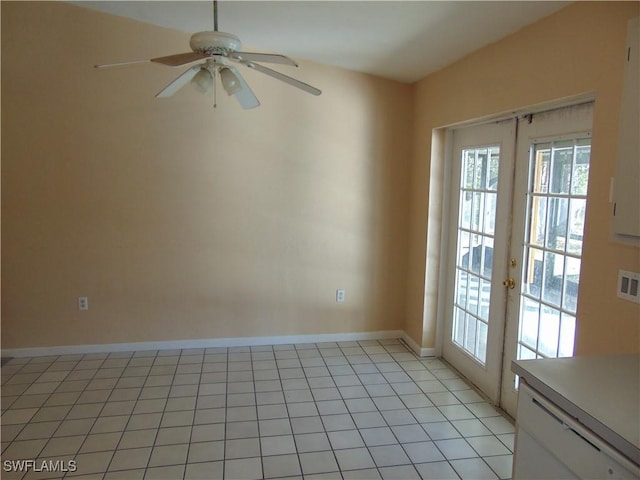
(626, 212)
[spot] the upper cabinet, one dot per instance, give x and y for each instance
(626, 191)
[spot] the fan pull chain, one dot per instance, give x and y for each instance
(215, 98)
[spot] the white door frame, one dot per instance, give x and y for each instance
(486, 376)
(446, 219)
(554, 124)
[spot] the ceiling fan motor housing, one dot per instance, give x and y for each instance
(214, 43)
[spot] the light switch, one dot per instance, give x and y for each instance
(629, 286)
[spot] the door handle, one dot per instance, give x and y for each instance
(509, 283)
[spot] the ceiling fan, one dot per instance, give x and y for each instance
(220, 51)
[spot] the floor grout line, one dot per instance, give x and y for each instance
(304, 375)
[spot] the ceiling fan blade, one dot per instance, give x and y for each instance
(246, 98)
(263, 57)
(180, 59)
(178, 83)
(285, 78)
(121, 64)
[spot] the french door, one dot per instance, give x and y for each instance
(516, 215)
(479, 205)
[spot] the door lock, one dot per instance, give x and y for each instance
(509, 283)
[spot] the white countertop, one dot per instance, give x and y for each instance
(601, 392)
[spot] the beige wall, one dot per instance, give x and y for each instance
(578, 50)
(179, 221)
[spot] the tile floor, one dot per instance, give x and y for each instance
(351, 410)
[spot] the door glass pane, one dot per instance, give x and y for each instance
(482, 339)
(477, 216)
(466, 207)
(468, 170)
(470, 334)
(464, 247)
(490, 206)
(572, 277)
(552, 271)
(561, 166)
(487, 257)
(557, 222)
(461, 289)
(577, 211)
(479, 179)
(567, 334)
(473, 292)
(541, 169)
(532, 276)
(549, 331)
(458, 326)
(538, 220)
(474, 260)
(529, 326)
(556, 209)
(492, 178)
(580, 174)
(525, 353)
(485, 297)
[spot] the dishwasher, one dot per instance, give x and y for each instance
(551, 445)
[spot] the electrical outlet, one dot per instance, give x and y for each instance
(83, 303)
(629, 286)
(340, 296)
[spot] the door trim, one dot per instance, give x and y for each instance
(484, 372)
(443, 223)
(571, 123)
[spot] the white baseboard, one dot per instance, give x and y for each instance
(417, 349)
(214, 342)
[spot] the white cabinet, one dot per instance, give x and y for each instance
(578, 418)
(626, 188)
(551, 445)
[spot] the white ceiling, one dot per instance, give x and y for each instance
(400, 40)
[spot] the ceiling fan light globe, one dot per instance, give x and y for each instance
(202, 81)
(230, 81)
